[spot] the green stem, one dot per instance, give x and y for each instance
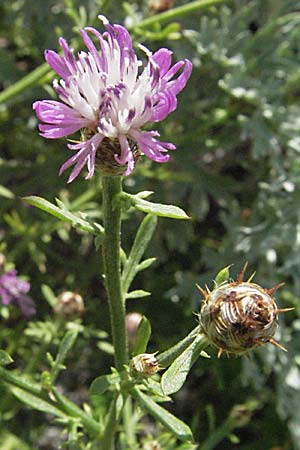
(218, 435)
(166, 358)
(20, 86)
(171, 14)
(111, 188)
(10, 378)
(130, 423)
(73, 410)
(110, 428)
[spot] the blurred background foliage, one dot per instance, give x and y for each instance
(236, 171)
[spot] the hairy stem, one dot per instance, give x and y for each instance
(111, 187)
(167, 357)
(110, 428)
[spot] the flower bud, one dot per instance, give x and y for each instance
(158, 6)
(132, 321)
(152, 445)
(145, 364)
(239, 316)
(69, 304)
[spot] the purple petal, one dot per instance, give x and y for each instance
(163, 58)
(92, 49)
(85, 155)
(177, 85)
(165, 103)
(151, 147)
(57, 63)
(125, 150)
(61, 120)
(69, 57)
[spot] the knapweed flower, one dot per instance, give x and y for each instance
(109, 96)
(239, 316)
(14, 290)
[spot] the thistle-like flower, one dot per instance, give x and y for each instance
(109, 98)
(238, 316)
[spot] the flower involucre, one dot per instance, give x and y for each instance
(107, 96)
(239, 316)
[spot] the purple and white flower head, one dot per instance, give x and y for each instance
(110, 96)
(14, 290)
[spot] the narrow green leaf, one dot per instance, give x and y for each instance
(5, 358)
(174, 378)
(4, 192)
(139, 246)
(37, 403)
(64, 215)
(10, 441)
(106, 347)
(174, 425)
(142, 337)
(156, 209)
(139, 293)
(223, 275)
(49, 295)
(144, 194)
(145, 264)
(103, 383)
(64, 348)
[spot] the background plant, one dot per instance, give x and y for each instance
(235, 172)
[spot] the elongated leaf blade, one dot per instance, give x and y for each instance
(174, 378)
(143, 334)
(64, 215)
(172, 423)
(5, 358)
(103, 383)
(139, 246)
(4, 192)
(64, 348)
(36, 403)
(157, 209)
(139, 293)
(145, 264)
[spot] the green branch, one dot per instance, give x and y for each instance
(111, 189)
(180, 11)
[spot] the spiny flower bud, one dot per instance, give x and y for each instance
(238, 316)
(69, 304)
(145, 364)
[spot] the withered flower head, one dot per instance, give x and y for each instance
(238, 316)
